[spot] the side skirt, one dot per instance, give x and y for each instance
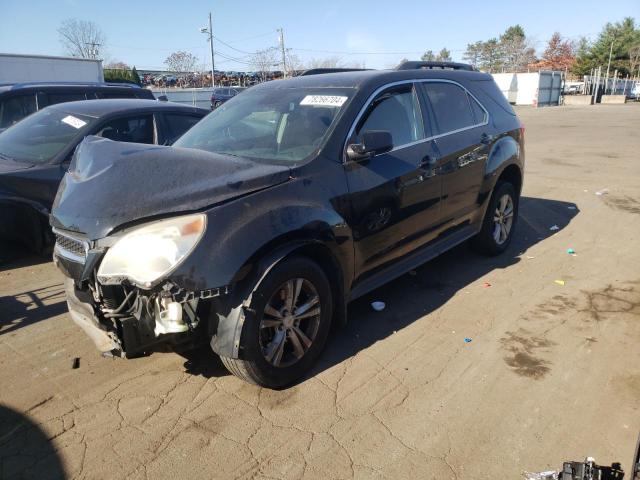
(411, 261)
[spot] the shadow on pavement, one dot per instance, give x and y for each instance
(25, 449)
(26, 308)
(411, 297)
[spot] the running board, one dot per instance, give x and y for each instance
(411, 261)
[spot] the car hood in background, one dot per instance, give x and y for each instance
(110, 184)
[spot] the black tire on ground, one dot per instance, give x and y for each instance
(252, 366)
(485, 242)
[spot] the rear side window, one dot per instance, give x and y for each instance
(14, 109)
(54, 98)
(479, 114)
(450, 105)
(116, 94)
(138, 129)
(397, 111)
(177, 124)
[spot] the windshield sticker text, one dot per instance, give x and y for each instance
(74, 122)
(324, 100)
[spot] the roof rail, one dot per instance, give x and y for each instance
(414, 65)
(319, 71)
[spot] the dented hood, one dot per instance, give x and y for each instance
(112, 183)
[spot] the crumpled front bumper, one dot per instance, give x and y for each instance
(81, 311)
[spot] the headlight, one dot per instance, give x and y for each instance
(151, 251)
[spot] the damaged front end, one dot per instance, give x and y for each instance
(130, 310)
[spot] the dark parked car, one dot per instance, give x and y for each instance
(221, 95)
(22, 99)
(290, 200)
(36, 152)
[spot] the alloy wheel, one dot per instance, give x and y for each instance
(290, 322)
(503, 219)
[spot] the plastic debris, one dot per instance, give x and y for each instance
(604, 191)
(571, 251)
(559, 282)
(378, 306)
(76, 363)
(530, 257)
(486, 284)
(555, 227)
(548, 475)
(468, 340)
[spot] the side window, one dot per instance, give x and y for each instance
(397, 111)
(63, 97)
(138, 129)
(479, 114)
(450, 104)
(116, 94)
(177, 124)
(14, 109)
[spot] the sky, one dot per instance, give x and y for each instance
(376, 33)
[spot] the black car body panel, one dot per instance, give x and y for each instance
(112, 177)
(27, 188)
(365, 221)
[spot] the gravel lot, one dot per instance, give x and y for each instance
(552, 372)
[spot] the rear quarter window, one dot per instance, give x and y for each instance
(14, 109)
(177, 124)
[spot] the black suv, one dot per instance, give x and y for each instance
(263, 221)
(22, 99)
(221, 95)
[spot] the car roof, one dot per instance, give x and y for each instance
(99, 108)
(370, 78)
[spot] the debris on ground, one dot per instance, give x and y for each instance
(468, 340)
(486, 284)
(572, 207)
(571, 251)
(559, 282)
(378, 306)
(76, 363)
(604, 191)
(548, 475)
(530, 257)
(555, 227)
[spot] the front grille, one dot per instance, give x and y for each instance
(70, 247)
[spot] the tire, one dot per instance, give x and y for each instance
(486, 241)
(260, 335)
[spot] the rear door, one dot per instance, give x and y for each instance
(393, 196)
(460, 125)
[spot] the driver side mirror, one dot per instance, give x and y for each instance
(372, 142)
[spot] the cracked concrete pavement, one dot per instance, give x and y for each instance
(552, 372)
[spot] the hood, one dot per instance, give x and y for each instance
(112, 183)
(11, 166)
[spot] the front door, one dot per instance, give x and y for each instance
(394, 196)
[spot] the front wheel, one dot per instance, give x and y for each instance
(291, 315)
(499, 221)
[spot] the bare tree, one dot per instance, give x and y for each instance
(81, 38)
(264, 60)
(116, 65)
(634, 57)
(294, 63)
(181, 62)
(328, 62)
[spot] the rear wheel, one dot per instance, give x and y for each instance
(499, 220)
(292, 309)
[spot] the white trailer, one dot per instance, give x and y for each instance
(16, 68)
(541, 88)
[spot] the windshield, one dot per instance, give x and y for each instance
(285, 125)
(41, 136)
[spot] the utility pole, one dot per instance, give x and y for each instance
(284, 57)
(213, 68)
(608, 65)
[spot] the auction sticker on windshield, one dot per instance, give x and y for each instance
(74, 122)
(324, 100)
